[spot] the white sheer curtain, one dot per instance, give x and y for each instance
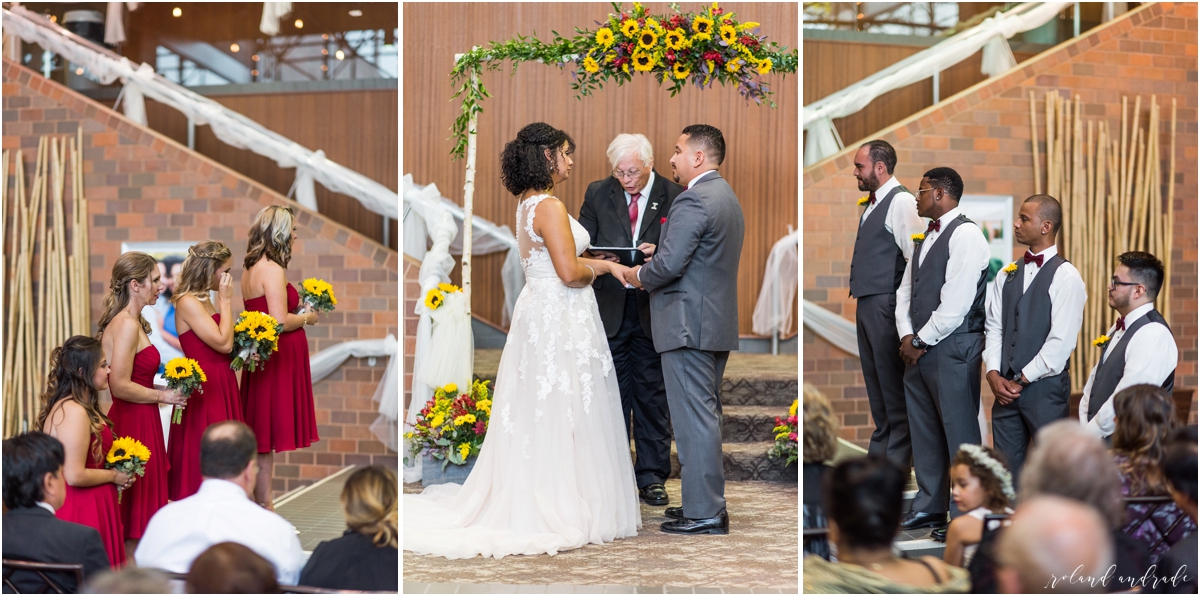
(773, 312)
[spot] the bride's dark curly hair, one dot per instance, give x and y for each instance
(523, 163)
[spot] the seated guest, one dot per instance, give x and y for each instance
(864, 499)
(221, 511)
(1054, 545)
(820, 446)
(1179, 468)
(365, 557)
(230, 568)
(130, 580)
(1145, 416)
(981, 485)
(34, 488)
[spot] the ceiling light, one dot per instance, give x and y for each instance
(340, 55)
(324, 52)
(325, 36)
(324, 67)
(254, 57)
(176, 12)
(79, 71)
(235, 48)
(356, 13)
(254, 73)
(299, 24)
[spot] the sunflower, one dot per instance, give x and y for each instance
(178, 368)
(437, 421)
(605, 37)
(450, 389)
(681, 70)
(464, 419)
(729, 34)
(629, 28)
(434, 299)
(764, 66)
(653, 24)
(485, 405)
(590, 64)
(449, 288)
(199, 371)
(126, 448)
(644, 61)
(734, 65)
(675, 39)
(647, 39)
(702, 25)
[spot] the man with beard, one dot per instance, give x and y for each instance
(1034, 311)
(1138, 348)
(882, 248)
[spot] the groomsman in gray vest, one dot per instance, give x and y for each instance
(1033, 317)
(882, 249)
(692, 280)
(1140, 347)
(940, 319)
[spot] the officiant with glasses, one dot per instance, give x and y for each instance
(624, 213)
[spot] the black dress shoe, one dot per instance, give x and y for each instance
(939, 534)
(674, 512)
(711, 525)
(916, 519)
(654, 494)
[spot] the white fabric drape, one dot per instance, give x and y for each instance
(923, 65)
(773, 312)
(273, 12)
(229, 126)
(997, 57)
(327, 361)
(114, 22)
(831, 327)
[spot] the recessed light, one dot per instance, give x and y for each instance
(356, 13)
(235, 48)
(340, 55)
(299, 24)
(79, 71)
(254, 73)
(254, 57)
(176, 12)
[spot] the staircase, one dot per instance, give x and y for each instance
(757, 388)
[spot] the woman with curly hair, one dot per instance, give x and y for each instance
(206, 335)
(554, 471)
(277, 399)
(71, 413)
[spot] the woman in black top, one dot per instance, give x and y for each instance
(366, 556)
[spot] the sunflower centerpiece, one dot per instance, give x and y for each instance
(129, 456)
(255, 338)
(185, 376)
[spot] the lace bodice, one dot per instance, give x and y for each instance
(535, 259)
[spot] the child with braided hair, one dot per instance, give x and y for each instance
(980, 485)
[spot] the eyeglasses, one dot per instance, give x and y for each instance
(1114, 282)
(921, 190)
(619, 175)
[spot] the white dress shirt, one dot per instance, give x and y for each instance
(901, 220)
(698, 177)
(46, 506)
(219, 512)
(642, 200)
(969, 256)
(1068, 294)
(1150, 356)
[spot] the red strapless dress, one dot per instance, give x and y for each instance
(277, 399)
(219, 402)
(141, 421)
(96, 506)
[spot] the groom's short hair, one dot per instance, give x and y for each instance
(226, 448)
(708, 139)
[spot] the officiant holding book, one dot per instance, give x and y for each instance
(621, 213)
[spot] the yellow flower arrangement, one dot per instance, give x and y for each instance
(464, 449)
(590, 65)
(647, 39)
(675, 39)
(795, 406)
(451, 388)
(764, 66)
(184, 375)
(653, 24)
(681, 71)
(629, 28)
(728, 33)
(434, 298)
(863, 201)
(255, 338)
(452, 425)
(437, 421)
(464, 419)
(605, 37)
(643, 61)
(702, 25)
(1101, 341)
(449, 288)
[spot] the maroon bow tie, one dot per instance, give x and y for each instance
(1029, 258)
(1121, 323)
(872, 198)
(934, 226)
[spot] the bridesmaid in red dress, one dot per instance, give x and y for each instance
(206, 334)
(277, 399)
(125, 334)
(71, 413)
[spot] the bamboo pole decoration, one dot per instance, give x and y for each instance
(1170, 225)
(1033, 135)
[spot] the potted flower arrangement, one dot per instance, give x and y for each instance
(786, 444)
(449, 432)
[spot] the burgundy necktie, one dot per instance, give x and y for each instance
(1120, 323)
(633, 213)
(1029, 258)
(872, 197)
(934, 226)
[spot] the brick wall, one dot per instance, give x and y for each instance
(141, 186)
(412, 292)
(984, 134)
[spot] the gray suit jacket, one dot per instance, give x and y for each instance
(692, 278)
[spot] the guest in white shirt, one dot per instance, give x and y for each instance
(1140, 347)
(940, 320)
(1034, 311)
(223, 510)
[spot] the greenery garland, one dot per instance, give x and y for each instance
(702, 48)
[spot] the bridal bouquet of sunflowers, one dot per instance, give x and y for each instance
(317, 294)
(129, 456)
(255, 338)
(185, 376)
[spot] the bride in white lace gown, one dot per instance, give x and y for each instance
(554, 472)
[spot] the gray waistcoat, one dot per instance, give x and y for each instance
(1111, 369)
(878, 264)
(928, 277)
(1025, 317)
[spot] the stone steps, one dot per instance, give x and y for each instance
(747, 461)
(750, 424)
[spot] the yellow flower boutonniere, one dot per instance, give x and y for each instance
(863, 201)
(1102, 341)
(918, 238)
(1010, 270)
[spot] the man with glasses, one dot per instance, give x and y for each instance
(882, 248)
(1139, 348)
(625, 210)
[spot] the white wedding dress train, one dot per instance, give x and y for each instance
(554, 472)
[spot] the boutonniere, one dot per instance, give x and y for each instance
(1102, 341)
(662, 221)
(863, 201)
(918, 238)
(1010, 270)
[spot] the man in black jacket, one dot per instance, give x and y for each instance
(34, 488)
(627, 210)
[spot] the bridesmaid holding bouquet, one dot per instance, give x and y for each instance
(206, 335)
(125, 336)
(277, 398)
(71, 413)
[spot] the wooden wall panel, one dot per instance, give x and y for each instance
(762, 143)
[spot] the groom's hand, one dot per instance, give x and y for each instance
(631, 277)
(647, 249)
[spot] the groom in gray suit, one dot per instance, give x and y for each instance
(692, 280)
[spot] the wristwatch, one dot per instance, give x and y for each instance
(917, 343)
(1017, 378)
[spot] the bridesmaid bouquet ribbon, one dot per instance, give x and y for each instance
(129, 456)
(184, 375)
(317, 294)
(255, 338)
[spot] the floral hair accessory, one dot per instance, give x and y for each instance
(982, 458)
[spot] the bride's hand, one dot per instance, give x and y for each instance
(617, 270)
